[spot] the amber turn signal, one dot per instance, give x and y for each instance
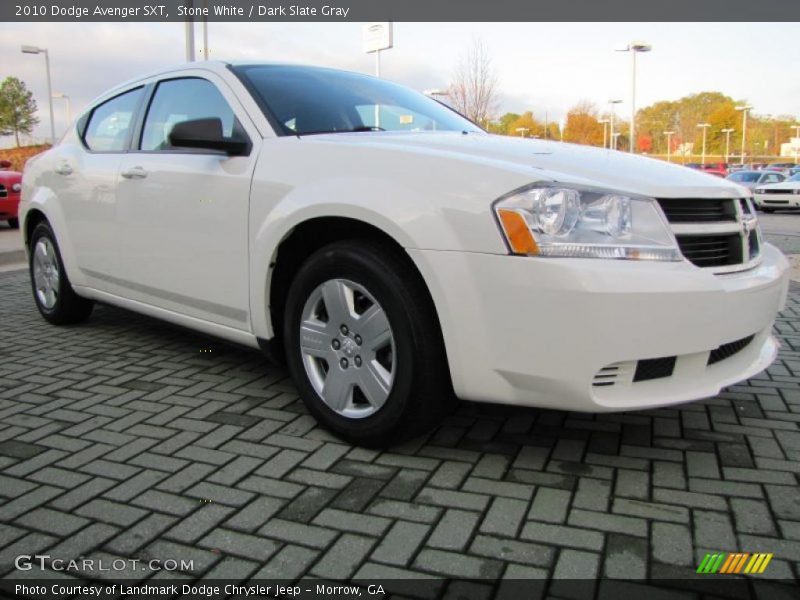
(517, 232)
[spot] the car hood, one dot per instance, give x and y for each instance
(783, 185)
(549, 160)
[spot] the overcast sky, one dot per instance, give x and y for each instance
(541, 66)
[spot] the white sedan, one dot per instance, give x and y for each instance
(774, 196)
(395, 255)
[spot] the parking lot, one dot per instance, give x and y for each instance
(128, 438)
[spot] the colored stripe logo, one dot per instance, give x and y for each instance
(732, 563)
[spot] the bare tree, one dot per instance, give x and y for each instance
(473, 91)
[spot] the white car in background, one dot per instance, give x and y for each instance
(752, 179)
(395, 254)
(775, 196)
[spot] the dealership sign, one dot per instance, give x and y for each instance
(377, 37)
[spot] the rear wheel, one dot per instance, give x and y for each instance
(52, 291)
(13, 223)
(364, 346)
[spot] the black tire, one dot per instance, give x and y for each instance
(421, 392)
(13, 223)
(68, 307)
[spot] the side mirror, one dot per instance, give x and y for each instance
(5, 164)
(206, 134)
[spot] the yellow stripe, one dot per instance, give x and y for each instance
(727, 562)
(756, 566)
(752, 563)
(765, 563)
(741, 562)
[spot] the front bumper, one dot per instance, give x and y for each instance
(788, 200)
(538, 332)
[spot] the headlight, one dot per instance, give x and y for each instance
(16, 187)
(761, 191)
(549, 219)
(796, 191)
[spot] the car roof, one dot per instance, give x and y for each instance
(216, 66)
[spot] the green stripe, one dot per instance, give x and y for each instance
(702, 567)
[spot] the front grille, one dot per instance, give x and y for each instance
(712, 250)
(654, 368)
(774, 191)
(728, 350)
(698, 210)
(713, 232)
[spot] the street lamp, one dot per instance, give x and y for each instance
(744, 110)
(704, 127)
(523, 131)
(37, 50)
(63, 96)
(727, 131)
(614, 137)
(613, 140)
(669, 135)
(634, 48)
(605, 132)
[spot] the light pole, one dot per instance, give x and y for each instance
(189, 31)
(612, 142)
(704, 127)
(37, 50)
(634, 48)
(614, 137)
(62, 96)
(523, 131)
(795, 145)
(744, 110)
(727, 131)
(669, 135)
(605, 131)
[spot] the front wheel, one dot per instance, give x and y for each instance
(56, 300)
(364, 346)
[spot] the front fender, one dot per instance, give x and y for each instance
(409, 223)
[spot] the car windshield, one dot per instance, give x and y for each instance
(310, 100)
(745, 177)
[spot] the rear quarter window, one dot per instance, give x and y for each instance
(109, 124)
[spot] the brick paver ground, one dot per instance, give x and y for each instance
(126, 437)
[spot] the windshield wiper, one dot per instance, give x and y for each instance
(353, 130)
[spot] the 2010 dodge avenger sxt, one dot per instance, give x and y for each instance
(396, 254)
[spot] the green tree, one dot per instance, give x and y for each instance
(17, 108)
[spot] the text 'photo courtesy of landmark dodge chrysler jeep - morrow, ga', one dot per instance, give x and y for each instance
(395, 255)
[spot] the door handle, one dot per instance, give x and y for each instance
(64, 169)
(134, 173)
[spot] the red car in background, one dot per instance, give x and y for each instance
(10, 186)
(718, 169)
